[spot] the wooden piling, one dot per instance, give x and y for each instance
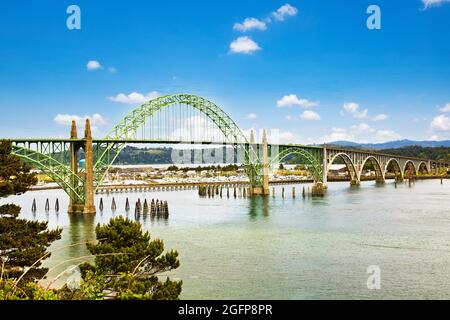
(145, 207)
(113, 205)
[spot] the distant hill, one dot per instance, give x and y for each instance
(393, 144)
(438, 153)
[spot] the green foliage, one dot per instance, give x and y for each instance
(127, 265)
(9, 210)
(22, 242)
(29, 291)
(15, 176)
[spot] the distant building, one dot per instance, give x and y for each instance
(338, 170)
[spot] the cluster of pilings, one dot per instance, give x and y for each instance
(47, 205)
(306, 192)
(158, 208)
(317, 190)
(218, 191)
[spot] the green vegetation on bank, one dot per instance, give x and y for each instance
(127, 263)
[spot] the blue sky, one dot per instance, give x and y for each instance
(311, 69)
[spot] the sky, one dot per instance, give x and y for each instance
(311, 69)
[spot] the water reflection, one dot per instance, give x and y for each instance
(258, 206)
(81, 229)
(230, 248)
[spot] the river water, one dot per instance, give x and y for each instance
(275, 248)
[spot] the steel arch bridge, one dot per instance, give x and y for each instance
(189, 119)
(126, 130)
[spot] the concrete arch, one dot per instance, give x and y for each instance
(348, 163)
(397, 169)
(407, 164)
(423, 164)
(379, 172)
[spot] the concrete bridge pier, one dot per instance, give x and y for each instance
(88, 207)
(380, 180)
(74, 205)
(262, 190)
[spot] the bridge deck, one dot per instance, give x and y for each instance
(211, 143)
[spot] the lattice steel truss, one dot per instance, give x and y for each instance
(126, 129)
(52, 157)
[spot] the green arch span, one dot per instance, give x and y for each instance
(59, 172)
(129, 125)
(313, 161)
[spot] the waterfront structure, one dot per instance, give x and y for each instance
(58, 158)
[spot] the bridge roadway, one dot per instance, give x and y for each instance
(59, 157)
(336, 149)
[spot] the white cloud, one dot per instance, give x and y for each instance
(284, 11)
(386, 135)
(445, 108)
(66, 119)
(276, 137)
(362, 128)
(244, 45)
(361, 115)
(134, 97)
(310, 115)
(353, 109)
(289, 117)
(430, 3)
(418, 119)
(251, 116)
(286, 136)
(250, 24)
(338, 134)
(441, 123)
(93, 65)
(112, 70)
(361, 133)
(380, 117)
(435, 137)
(293, 100)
